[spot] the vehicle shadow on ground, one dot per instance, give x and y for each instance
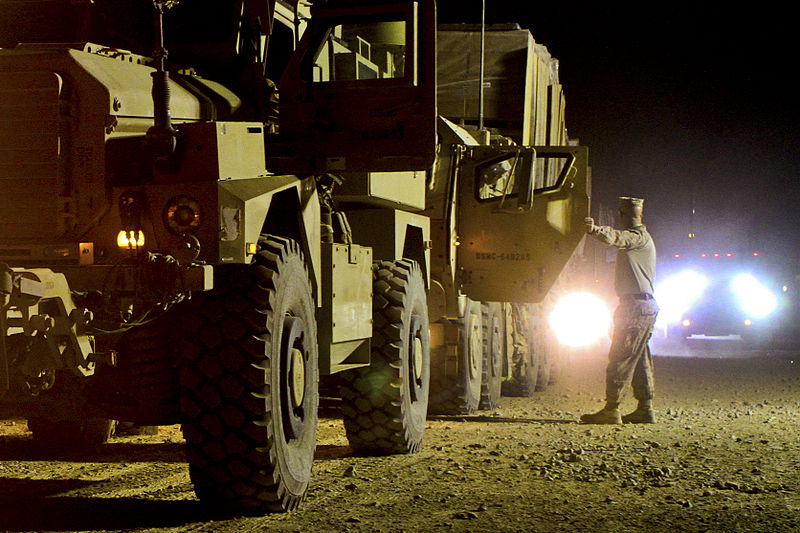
(23, 449)
(33, 506)
(500, 419)
(327, 452)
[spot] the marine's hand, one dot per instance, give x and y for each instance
(589, 223)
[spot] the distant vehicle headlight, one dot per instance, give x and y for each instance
(677, 293)
(580, 319)
(754, 298)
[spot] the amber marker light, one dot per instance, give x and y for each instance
(252, 248)
(130, 239)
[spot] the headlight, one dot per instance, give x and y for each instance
(754, 299)
(580, 319)
(182, 215)
(677, 293)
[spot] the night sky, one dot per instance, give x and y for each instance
(685, 104)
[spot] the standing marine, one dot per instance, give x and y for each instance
(629, 358)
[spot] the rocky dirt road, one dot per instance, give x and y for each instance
(725, 456)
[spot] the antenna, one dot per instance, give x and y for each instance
(483, 60)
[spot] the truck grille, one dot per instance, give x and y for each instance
(30, 153)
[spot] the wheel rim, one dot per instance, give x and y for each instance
(294, 356)
(496, 349)
(475, 350)
(416, 358)
(298, 374)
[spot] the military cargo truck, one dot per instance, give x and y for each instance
(505, 202)
(180, 245)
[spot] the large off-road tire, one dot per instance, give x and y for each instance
(545, 367)
(525, 359)
(461, 393)
(249, 383)
(385, 405)
(70, 434)
(548, 369)
(146, 388)
(494, 346)
(524, 375)
(557, 363)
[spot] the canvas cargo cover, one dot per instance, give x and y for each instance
(522, 91)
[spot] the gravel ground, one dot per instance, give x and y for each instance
(724, 456)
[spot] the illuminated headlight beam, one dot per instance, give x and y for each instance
(754, 299)
(677, 293)
(580, 319)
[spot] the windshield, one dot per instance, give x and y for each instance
(366, 51)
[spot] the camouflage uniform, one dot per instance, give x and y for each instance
(629, 358)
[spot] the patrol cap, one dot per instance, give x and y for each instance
(629, 205)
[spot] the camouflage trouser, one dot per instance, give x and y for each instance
(629, 358)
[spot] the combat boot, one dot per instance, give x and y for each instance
(606, 415)
(640, 416)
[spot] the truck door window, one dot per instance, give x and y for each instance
(362, 51)
(500, 177)
(550, 170)
(496, 179)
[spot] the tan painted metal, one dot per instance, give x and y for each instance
(516, 256)
(344, 320)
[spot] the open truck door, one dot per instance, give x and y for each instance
(520, 218)
(361, 93)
